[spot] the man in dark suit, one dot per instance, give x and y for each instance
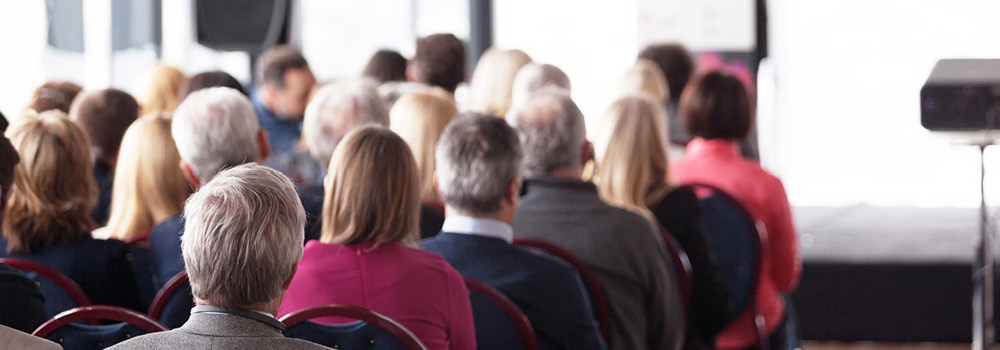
(242, 246)
(478, 167)
(214, 129)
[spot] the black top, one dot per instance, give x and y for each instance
(21, 306)
(680, 214)
(104, 175)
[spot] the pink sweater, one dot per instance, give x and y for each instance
(414, 287)
(718, 163)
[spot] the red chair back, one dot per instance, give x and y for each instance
(509, 308)
(682, 263)
(160, 300)
(101, 312)
(599, 298)
(356, 312)
(58, 278)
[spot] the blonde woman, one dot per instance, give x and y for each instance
(419, 118)
(644, 77)
(365, 256)
(149, 186)
(493, 79)
(632, 172)
(163, 89)
(47, 218)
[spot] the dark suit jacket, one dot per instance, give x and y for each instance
(549, 291)
(165, 240)
(101, 268)
(21, 306)
(104, 175)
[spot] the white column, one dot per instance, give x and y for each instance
(97, 43)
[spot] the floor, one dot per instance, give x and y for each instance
(883, 346)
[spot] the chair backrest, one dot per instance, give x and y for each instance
(173, 303)
(739, 242)
(61, 293)
(682, 263)
(70, 335)
(372, 330)
(598, 298)
(140, 259)
(499, 322)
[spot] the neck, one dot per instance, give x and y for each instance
(567, 173)
(503, 214)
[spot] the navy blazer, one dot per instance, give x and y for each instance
(165, 239)
(100, 267)
(548, 290)
(21, 306)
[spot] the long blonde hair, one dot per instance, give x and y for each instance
(372, 190)
(644, 76)
(162, 91)
(149, 186)
(631, 151)
(54, 188)
(493, 80)
(420, 118)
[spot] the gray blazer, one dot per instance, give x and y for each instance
(14, 339)
(216, 330)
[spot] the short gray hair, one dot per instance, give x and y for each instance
(215, 128)
(534, 77)
(242, 236)
(552, 131)
(337, 109)
(477, 157)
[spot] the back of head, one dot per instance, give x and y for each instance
(148, 186)
(105, 115)
(535, 77)
(8, 159)
(631, 152)
(162, 92)
(493, 80)
(716, 105)
(215, 128)
(675, 62)
(440, 61)
(644, 77)
(478, 156)
(54, 187)
(419, 119)
(242, 236)
(57, 95)
(336, 109)
(206, 80)
(275, 62)
(385, 66)
(372, 192)
(552, 132)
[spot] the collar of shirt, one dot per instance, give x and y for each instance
(468, 225)
(715, 147)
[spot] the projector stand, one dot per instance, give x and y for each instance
(982, 270)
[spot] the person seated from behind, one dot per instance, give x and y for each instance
(478, 174)
(214, 129)
(385, 66)
(58, 95)
(280, 101)
(365, 255)
(534, 77)
(631, 172)
(490, 88)
(162, 90)
(718, 111)
(439, 61)
(242, 245)
(47, 218)
(678, 67)
(622, 247)
(209, 79)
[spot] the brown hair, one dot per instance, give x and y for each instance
(105, 115)
(676, 64)
(54, 95)
(54, 188)
(162, 92)
(717, 106)
(8, 159)
(372, 190)
(209, 79)
(278, 60)
(385, 66)
(440, 61)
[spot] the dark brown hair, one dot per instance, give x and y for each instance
(105, 115)
(278, 60)
(54, 95)
(676, 64)
(8, 159)
(717, 106)
(385, 66)
(211, 79)
(440, 61)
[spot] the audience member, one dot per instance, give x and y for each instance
(439, 61)
(678, 67)
(162, 90)
(286, 83)
(364, 256)
(535, 77)
(104, 115)
(54, 95)
(479, 177)
(718, 111)
(490, 89)
(385, 66)
(242, 245)
(47, 216)
(21, 307)
(214, 129)
(149, 186)
(211, 79)
(14, 339)
(621, 246)
(631, 152)
(645, 77)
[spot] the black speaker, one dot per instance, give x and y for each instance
(241, 25)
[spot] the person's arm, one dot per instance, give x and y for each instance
(786, 266)
(569, 318)
(462, 327)
(666, 320)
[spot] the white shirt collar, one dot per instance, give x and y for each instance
(468, 225)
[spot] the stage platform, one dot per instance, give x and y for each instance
(886, 274)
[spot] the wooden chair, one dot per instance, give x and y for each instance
(485, 302)
(61, 293)
(64, 330)
(172, 304)
(372, 330)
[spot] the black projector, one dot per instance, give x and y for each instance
(962, 95)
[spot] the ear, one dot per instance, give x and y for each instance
(190, 175)
(437, 187)
(411, 74)
(288, 281)
(513, 190)
(587, 154)
(263, 145)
